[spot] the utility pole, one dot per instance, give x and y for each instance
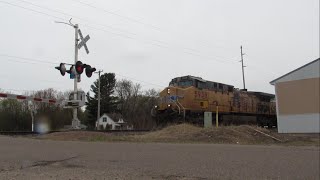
(244, 83)
(98, 114)
(75, 120)
(32, 115)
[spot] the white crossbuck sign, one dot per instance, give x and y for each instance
(83, 41)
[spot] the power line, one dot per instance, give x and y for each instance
(133, 20)
(121, 35)
(163, 46)
(28, 59)
(4, 2)
(35, 60)
(95, 28)
(70, 15)
(116, 14)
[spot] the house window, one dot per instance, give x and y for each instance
(104, 119)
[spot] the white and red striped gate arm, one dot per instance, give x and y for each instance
(28, 98)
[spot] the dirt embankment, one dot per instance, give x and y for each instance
(186, 133)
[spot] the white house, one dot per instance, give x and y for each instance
(108, 123)
(105, 121)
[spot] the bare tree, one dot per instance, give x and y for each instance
(135, 105)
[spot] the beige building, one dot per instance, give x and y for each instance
(297, 98)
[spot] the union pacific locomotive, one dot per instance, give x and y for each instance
(188, 97)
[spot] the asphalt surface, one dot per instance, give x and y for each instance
(22, 158)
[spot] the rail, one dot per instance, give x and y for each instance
(18, 133)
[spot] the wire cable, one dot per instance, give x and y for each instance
(70, 15)
(116, 14)
(132, 19)
(29, 59)
(121, 35)
(33, 61)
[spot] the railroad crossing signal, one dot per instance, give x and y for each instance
(89, 70)
(80, 67)
(62, 69)
(83, 41)
(76, 69)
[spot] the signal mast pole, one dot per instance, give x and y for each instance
(76, 70)
(75, 120)
(244, 83)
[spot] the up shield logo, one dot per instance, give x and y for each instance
(173, 98)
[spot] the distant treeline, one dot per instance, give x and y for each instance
(120, 98)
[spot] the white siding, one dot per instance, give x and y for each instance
(109, 122)
(299, 123)
(310, 71)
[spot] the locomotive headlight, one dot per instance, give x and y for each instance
(155, 107)
(169, 105)
(168, 90)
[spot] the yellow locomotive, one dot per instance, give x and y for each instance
(188, 97)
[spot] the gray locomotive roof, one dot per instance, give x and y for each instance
(261, 93)
(202, 80)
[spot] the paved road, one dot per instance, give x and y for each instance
(22, 158)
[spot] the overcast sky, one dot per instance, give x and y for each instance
(150, 42)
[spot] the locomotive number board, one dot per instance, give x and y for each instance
(200, 95)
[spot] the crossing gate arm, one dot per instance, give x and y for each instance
(30, 98)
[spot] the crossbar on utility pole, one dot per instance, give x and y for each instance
(244, 83)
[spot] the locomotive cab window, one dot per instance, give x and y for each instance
(200, 85)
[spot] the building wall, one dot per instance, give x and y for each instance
(298, 97)
(299, 123)
(298, 106)
(104, 124)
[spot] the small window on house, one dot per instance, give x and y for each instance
(201, 104)
(104, 119)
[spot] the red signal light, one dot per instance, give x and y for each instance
(79, 67)
(89, 70)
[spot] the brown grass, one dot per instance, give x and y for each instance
(186, 133)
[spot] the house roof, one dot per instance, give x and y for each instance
(274, 81)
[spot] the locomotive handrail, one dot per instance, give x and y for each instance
(184, 109)
(178, 106)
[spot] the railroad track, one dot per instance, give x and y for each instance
(19, 133)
